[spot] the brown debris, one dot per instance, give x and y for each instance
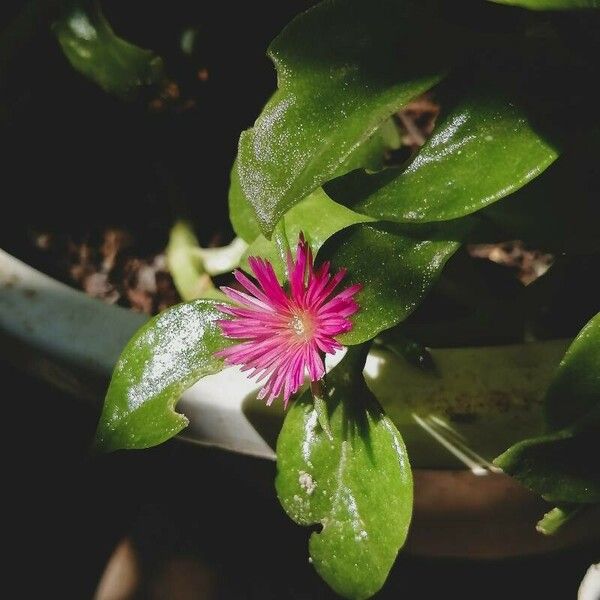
(111, 270)
(170, 97)
(528, 263)
(417, 120)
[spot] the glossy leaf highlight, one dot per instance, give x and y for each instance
(164, 357)
(317, 216)
(482, 150)
(395, 264)
(343, 68)
(357, 485)
(94, 50)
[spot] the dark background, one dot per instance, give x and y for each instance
(213, 510)
(78, 160)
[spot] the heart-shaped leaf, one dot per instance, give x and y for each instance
(369, 155)
(395, 264)
(484, 149)
(356, 484)
(343, 68)
(317, 216)
(94, 50)
(164, 357)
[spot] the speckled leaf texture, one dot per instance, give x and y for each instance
(396, 266)
(356, 485)
(483, 148)
(164, 357)
(343, 67)
(317, 217)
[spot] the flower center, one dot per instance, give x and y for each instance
(302, 325)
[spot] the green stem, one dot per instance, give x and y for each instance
(555, 519)
(320, 404)
(282, 243)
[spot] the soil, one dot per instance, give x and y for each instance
(127, 265)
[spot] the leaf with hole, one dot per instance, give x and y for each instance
(357, 484)
(165, 356)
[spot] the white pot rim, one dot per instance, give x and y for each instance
(46, 327)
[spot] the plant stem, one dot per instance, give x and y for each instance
(318, 393)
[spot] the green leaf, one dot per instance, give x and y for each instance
(344, 66)
(186, 267)
(164, 357)
(563, 466)
(557, 518)
(483, 149)
(357, 485)
(370, 155)
(413, 352)
(241, 213)
(566, 195)
(317, 216)
(191, 265)
(575, 391)
(551, 4)
(395, 264)
(94, 50)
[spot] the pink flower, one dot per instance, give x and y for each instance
(286, 333)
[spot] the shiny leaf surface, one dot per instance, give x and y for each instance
(317, 216)
(94, 50)
(395, 264)
(482, 150)
(357, 485)
(241, 213)
(343, 68)
(163, 358)
(368, 155)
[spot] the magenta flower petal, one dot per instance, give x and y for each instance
(284, 335)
